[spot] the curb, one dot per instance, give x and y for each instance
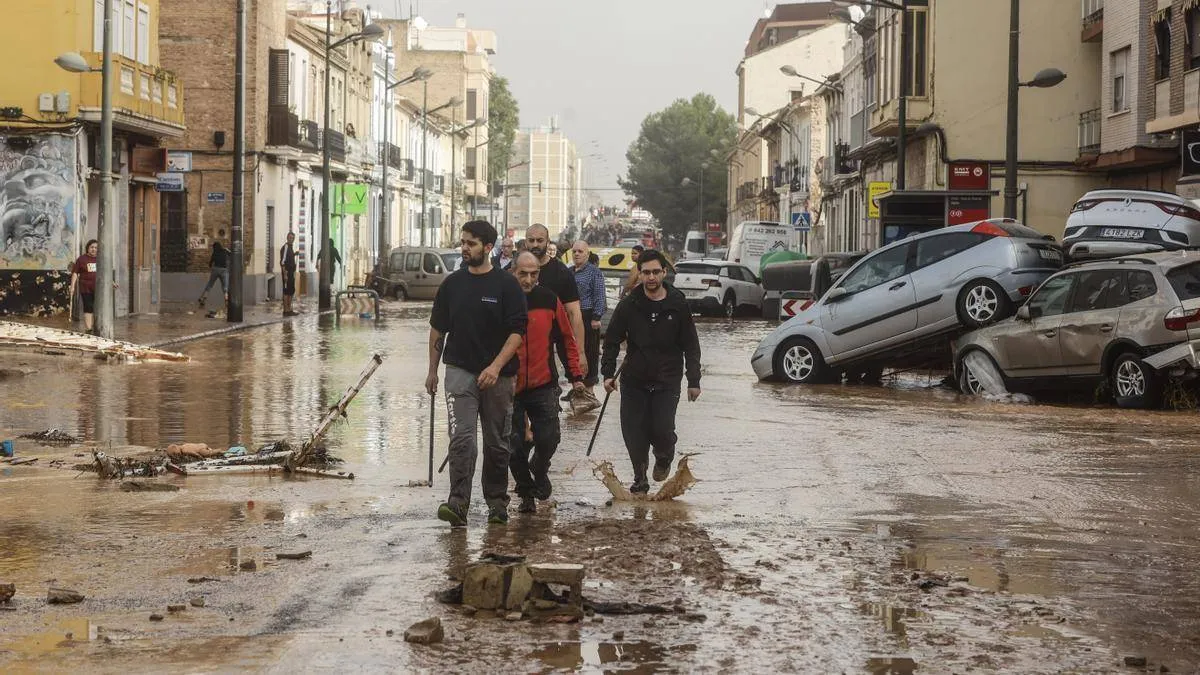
(225, 331)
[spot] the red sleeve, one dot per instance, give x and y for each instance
(568, 337)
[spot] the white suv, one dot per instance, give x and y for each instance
(718, 286)
(1110, 223)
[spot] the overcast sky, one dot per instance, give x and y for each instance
(602, 66)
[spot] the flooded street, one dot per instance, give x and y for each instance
(891, 529)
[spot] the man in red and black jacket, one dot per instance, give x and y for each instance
(537, 383)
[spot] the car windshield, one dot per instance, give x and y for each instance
(452, 261)
(695, 246)
(1186, 281)
(696, 268)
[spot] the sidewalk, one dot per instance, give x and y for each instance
(177, 323)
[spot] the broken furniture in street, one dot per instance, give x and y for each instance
(44, 339)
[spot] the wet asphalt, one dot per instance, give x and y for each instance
(889, 529)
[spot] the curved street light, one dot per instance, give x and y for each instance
(419, 74)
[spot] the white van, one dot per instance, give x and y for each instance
(752, 239)
(695, 246)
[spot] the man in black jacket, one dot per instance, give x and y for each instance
(656, 324)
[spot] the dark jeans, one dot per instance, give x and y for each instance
(591, 348)
(532, 473)
(470, 409)
(648, 419)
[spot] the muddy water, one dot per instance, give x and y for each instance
(861, 529)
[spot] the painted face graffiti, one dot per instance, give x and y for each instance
(36, 203)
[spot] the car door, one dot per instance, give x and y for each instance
(879, 303)
(937, 275)
(752, 291)
(1087, 325)
(1031, 348)
(433, 271)
(413, 275)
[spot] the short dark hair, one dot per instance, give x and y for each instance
(638, 247)
(89, 244)
(650, 255)
(481, 230)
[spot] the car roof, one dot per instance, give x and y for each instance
(1165, 259)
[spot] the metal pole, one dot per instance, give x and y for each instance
(325, 293)
(1010, 152)
(701, 198)
(902, 102)
(475, 179)
(385, 215)
(233, 312)
(453, 165)
(105, 229)
(424, 155)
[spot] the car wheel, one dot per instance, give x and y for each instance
(967, 382)
(1135, 384)
(728, 306)
(399, 293)
(798, 360)
(981, 303)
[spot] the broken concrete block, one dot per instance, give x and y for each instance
(176, 608)
(7, 591)
(425, 632)
(565, 574)
(63, 596)
(513, 616)
(483, 586)
(197, 602)
(519, 583)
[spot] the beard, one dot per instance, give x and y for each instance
(540, 252)
(476, 261)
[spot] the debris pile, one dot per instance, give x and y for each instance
(51, 437)
(55, 341)
(508, 586)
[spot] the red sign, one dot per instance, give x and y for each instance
(969, 176)
(715, 227)
(967, 209)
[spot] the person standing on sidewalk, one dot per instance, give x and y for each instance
(480, 311)
(593, 303)
(218, 268)
(656, 325)
(83, 277)
(537, 384)
(287, 265)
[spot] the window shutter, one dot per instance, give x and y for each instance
(472, 103)
(277, 87)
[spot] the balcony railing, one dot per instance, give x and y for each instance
(143, 90)
(1089, 132)
(337, 145)
(1092, 24)
(391, 155)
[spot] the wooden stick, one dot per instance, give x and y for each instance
(432, 410)
(302, 455)
(323, 473)
(268, 469)
(242, 459)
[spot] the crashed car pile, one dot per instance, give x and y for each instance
(993, 302)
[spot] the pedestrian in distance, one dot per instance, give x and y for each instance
(218, 268)
(83, 279)
(537, 384)
(480, 311)
(287, 265)
(634, 277)
(503, 257)
(656, 326)
(593, 303)
(555, 276)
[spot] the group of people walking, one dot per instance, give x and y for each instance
(497, 324)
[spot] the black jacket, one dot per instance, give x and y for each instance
(655, 351)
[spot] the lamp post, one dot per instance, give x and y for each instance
(105, 231)
(369, 32)
(454, 132)
(233, 310)
(478, 145)
(385, 224)
(425, 112)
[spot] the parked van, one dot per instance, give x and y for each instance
(752, 239)
(414, 272)
(695, 246)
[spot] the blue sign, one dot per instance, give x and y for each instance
(802, 221)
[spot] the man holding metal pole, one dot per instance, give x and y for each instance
(481, 312)
(656, 325)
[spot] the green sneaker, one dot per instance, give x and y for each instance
(498, 515)
(456, 516)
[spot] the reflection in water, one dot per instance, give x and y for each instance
(894, 618)
(628, 657)
(891, 666)
(65, 634)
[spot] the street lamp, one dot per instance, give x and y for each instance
(425, 111)
(105, 232)
(385, 225)
(790, 71)
(371, 32)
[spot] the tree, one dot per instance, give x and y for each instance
(503, 117)
(672, 145)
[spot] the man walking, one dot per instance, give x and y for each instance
(656, 326)
(537, 384)
(218, 268)
(480, 311)
(555, 276)
(592, 302)
(503, 258)
(287, 265)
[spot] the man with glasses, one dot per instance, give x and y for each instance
(656, 325)
(504, 256)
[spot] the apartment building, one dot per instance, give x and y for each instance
(544, 183)
(49, 149)
(1167, 41)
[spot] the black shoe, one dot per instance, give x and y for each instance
(542, 487)
(528, 505)
(498, 515)
(662, 470)
(639, 487)
(455, 515)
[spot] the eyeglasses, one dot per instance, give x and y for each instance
(653, 273)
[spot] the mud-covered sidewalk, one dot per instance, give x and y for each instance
(857, 529)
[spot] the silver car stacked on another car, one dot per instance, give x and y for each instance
(926, 286)
(1090, 322)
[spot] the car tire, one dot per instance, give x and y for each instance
(399, 293)
(982, 303)
(968, 384)
(798, 361)
(1135, 384)
(729, 305)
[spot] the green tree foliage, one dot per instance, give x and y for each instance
(672, 145)
(503, 117)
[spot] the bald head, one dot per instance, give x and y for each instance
(526, 268)
(579, 253)
(537, 241)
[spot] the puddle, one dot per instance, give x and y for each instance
(891, 666)
(894, 618)
(635, 656)
(65, 635)
(225, 560)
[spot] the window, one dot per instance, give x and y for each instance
(452, 261)
(936, 249)
(1100, 289)
(412, 263)
(98, 26)
(1120, 67)
(1191, 26)
(879, 269)
(1141, 286)
(1186, 281)
(1162, 46)
(870, 67)
(471, 162)
(143, 33)
(433, 264)
(397, 261)
(472, 104)
(1051, 298)
(918, 37)
(128, 32)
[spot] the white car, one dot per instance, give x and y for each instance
(1110, 223)
(719, 286)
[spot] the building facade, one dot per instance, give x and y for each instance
(544, 183)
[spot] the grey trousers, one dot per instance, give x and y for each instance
(490, 409)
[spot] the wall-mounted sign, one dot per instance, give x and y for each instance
(1190, 149)
(169, 182)
(215, 198)
(969, 176)
(874, 189)
(148, 161)
(967, 209)
(179, 161)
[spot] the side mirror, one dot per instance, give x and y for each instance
(836, 294)
(1024, 313)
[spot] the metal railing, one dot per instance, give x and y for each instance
(1089, 132)
(1091, 11)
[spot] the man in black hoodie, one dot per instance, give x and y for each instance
(655, 323)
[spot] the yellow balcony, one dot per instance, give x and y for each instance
(145, 98)
(885, 119)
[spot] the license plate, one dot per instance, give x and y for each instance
(1120, 233)
(1050, 254)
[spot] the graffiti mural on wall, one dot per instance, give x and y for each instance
(37, 202)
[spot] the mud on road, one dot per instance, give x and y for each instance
(856, 529)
